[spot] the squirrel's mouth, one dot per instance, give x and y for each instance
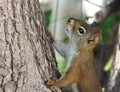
(94, 40)
(90, 41)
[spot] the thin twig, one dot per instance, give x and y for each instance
(95, 4)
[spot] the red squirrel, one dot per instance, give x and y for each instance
(79, 52)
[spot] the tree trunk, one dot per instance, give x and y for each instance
(26, 56)
(114, 79)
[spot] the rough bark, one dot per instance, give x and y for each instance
(114, 79)
(26, 58)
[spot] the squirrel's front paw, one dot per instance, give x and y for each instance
(51, 82)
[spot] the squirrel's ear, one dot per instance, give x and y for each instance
(71, 22)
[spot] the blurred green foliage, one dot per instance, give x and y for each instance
(47, 15)
(61, 62)
(87, 18)
(108, 65)
(106, 24)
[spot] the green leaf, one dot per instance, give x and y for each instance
(47, 15)
(107, 23)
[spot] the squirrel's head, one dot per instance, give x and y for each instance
(82, 33)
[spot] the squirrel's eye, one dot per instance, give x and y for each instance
(81, 31)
